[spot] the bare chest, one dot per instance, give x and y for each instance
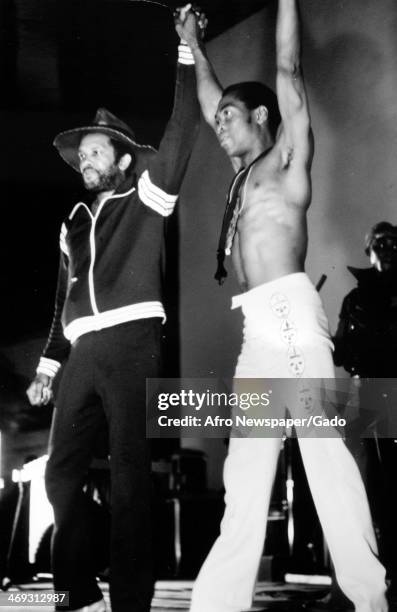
(263, 192)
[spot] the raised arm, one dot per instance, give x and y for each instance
(160, 183)
(209, 90)
(295, 132)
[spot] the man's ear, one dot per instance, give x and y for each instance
(124, 161)
(261, 114)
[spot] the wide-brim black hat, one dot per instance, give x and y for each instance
(104, 122)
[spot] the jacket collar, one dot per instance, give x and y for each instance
(371, 280)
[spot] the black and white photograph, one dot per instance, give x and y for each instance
(198, 338)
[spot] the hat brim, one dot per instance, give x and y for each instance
(68, 143)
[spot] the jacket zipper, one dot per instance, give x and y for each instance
(94, 218)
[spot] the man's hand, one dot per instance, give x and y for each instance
(40, 391)
(190, 24)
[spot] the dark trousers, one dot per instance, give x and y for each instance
(105, 380)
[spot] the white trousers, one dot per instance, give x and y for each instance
(286, 335)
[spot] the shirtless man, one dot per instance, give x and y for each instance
(285, 327)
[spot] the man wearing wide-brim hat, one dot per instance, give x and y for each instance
(120, 134)
(107, 328)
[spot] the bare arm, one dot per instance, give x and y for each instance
(209, 90)
(296, 132)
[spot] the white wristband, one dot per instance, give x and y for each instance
(49, 367)
(185, 55)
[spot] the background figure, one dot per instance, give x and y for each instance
(107, 325)
(366, 346)
(285, 327)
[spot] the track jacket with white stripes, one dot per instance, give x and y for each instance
(110, 262)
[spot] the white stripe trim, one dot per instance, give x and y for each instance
(92, 263)
(117, 195)
(156, 191)
(109, 318)
(75, 208)
(49, 367)
(154, 197)
(186, 62)
(62, 240)
(93, 246)
(185, 55)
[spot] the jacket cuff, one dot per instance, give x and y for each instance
(185, 55)
(49, 367)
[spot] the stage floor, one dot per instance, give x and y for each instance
(174, 596)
